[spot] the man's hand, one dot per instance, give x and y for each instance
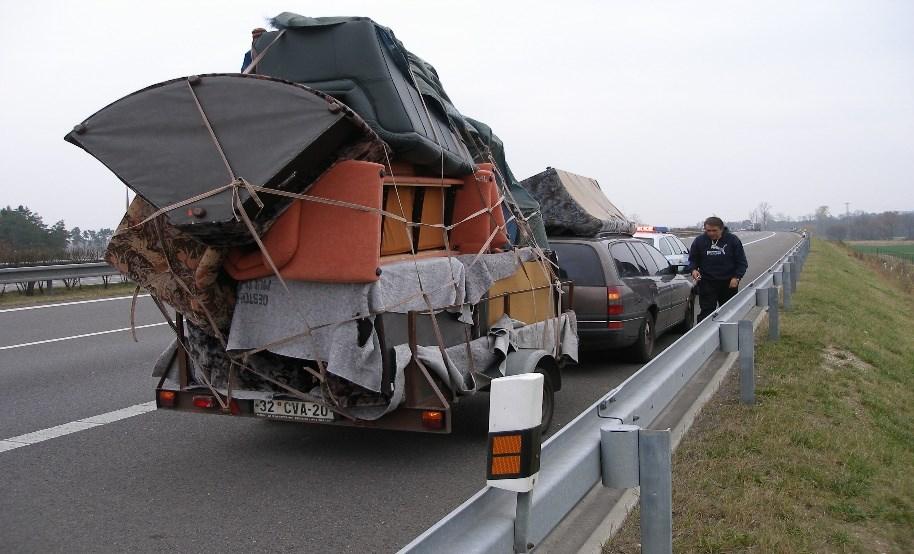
(734, 282)
(255, 34)
(696, 275)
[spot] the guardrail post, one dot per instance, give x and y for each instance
(761, 297)
(631, 456)
(794, 273)
(774, 324)
(729, 337)
(656, 473)
(746, 362)
(619, 456)
(786, 279)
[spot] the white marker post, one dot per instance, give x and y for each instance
(515, 417)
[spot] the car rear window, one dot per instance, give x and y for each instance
(666, 247)
(580, 263)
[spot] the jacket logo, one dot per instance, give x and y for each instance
(717, 250)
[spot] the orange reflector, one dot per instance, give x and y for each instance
(167, 398)
(505, 465)
(204, 402)
(614, 325)
(433, 419)
(506, 444)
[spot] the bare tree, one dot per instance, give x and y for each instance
(764, 214)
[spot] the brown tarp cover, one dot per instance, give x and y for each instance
(575, 205)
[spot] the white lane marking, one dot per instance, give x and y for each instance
(74, 303)
(759, 240)
(46, 341)
(35, 437)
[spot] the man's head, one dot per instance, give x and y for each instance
(714, 227)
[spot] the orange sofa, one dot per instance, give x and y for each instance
(313, 241)
(479, 191)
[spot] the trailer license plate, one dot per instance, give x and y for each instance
(292, 409)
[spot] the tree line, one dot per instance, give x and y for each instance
(25, 238)
(857, 225)
(864, 226)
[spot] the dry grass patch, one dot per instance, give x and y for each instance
(823, 462)
(13, 299)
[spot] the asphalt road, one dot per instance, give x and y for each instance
(165, 481)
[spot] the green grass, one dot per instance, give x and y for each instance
(12, 299)
(825, 461)
(904, 250)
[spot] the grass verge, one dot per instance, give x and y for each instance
(12, 299)
(825, 461)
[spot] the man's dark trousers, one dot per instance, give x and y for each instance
(711, 293)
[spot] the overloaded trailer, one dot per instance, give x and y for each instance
(329, 238)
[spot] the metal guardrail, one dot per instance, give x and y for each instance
(55, 272)
(570, 465)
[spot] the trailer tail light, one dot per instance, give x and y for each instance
(167, 398)
(204, 402)
(234, 407)
(614, 301)
(433, 419)
(615, 326)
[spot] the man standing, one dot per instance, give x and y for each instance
(718, 262)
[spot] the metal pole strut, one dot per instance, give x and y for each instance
(656, 492)
(522, 522)
(746, 362)
(774, 324)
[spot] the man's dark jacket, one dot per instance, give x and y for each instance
(720, 260)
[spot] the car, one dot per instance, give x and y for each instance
(625, 293)
(675, 251)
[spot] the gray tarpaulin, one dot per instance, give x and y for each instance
(557, 336)
(484, 270)
(274, 134)
(266, 314)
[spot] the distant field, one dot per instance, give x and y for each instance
(899, 249)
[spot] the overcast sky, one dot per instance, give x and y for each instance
(680, 110)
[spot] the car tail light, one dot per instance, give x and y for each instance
(204, 402)
(234, 407)
(433, 419)
(614, 301)
(167, 398)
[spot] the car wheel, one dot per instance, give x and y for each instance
(686, 324)
(643, 349)
(548, 402)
